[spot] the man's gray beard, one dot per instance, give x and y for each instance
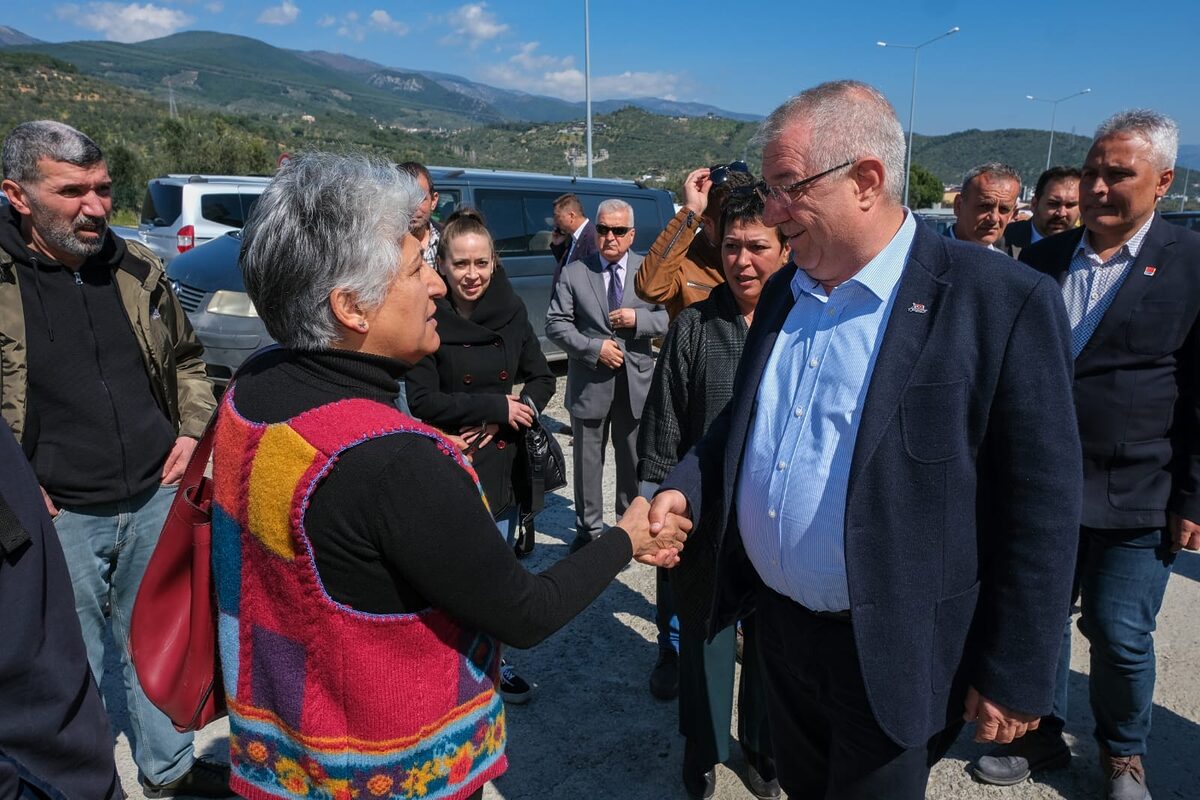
(61, 235)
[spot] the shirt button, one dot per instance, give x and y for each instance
(771, 513)
(813, 363)
(500, 445)
(503, 374)
(799, 412)
(782, 465)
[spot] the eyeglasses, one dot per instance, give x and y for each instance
(719, 173)
(616, 230)
(783, 194)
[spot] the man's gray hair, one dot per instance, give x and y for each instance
(996, 169)
(846, 119)
(30, 142)
(325, 222)
(615, 205)
(1159, 130)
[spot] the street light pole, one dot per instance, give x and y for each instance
(587, 81)
(1187, 176)
(912, 103)
(1053, 116)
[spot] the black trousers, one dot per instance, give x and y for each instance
(826, 740)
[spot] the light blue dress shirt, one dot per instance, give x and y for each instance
(791, 493)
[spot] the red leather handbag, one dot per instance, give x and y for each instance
(173, 631)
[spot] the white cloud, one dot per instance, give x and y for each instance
(326, 21)
(383, 21)
(214, 8)
(285, 13)
(474, 23)
(530, 71)
(125, 22)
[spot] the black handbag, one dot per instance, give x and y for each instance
(541, 464)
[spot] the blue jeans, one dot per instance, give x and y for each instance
(107, 546)
(1123, 577)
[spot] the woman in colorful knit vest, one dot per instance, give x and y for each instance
(361, 585)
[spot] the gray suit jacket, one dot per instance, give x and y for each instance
(577, 321)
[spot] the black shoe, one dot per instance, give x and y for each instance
(524, 544)
(699, 780)
(760, 776)
(581, 539)
(513, 688)
(664, 678)
(205, 779)
(1013, 763)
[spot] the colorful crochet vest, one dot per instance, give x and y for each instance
(324, 701)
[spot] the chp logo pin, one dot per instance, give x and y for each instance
(918, 308)
(1149, 271)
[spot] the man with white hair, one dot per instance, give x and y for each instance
(106, 392)
(1131, 285)
(605, 329)
(894, 486)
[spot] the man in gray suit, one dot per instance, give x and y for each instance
(605, 328)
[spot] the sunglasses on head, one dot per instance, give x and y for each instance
(615, 230)
(719, 173)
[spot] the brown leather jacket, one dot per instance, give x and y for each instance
(681, 267)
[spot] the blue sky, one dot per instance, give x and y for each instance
(741, 55)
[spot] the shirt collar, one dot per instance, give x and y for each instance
(880, 275)
(622, 263)
(1132, 246)
(579, 230)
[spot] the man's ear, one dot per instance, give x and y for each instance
(868, 176)
(17, 196)
(1164, 183)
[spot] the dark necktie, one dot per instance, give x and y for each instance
(616, 292)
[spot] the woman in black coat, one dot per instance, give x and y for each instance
(488, 347)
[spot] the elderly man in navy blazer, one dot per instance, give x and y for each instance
(895, 484)
(1131, 285)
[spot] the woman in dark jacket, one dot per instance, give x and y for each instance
(488, 347)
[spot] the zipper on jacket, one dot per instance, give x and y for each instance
(107, 391)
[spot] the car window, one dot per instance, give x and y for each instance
(520, 222)
(448, 200)
(163, 202)
(227, 209)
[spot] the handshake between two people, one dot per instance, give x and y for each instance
(657, 530)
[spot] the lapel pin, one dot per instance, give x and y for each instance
(1149, 271)
(917, 308)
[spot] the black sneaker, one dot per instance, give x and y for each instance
(206, 778)
(524, 544)
(513, 688)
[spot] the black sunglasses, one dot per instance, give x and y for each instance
(615, 230)
(719, 173)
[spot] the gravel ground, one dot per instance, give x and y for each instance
(592, 727)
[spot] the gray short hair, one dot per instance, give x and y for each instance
(1159, 130)
(615, 205)
(994, 168)
(30, 142)
(847, 119)
(325, 222)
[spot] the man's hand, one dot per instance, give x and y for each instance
(519, 414)
(51, 509)
(177, 460)
(659, 548)
(557, 237)
(1185, 534)
(695, 190)
(623, 318)
(995, 722)
(666, 508)
(611, 355)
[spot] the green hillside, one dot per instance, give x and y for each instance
(950, 156)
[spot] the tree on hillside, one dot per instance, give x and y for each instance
(924, 188)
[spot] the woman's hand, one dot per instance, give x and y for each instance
(660, 549)
(478, 437)
(519, 414)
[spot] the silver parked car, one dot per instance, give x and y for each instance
(181, 212)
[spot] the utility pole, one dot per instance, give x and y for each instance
(587, 81)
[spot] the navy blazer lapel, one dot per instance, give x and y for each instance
(919, 299)
(773, 308)
(1160, 236)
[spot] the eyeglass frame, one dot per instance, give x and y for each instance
(766, 192)
(607, 229)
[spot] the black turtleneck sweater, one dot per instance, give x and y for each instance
(397, 527)
(95, 432)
